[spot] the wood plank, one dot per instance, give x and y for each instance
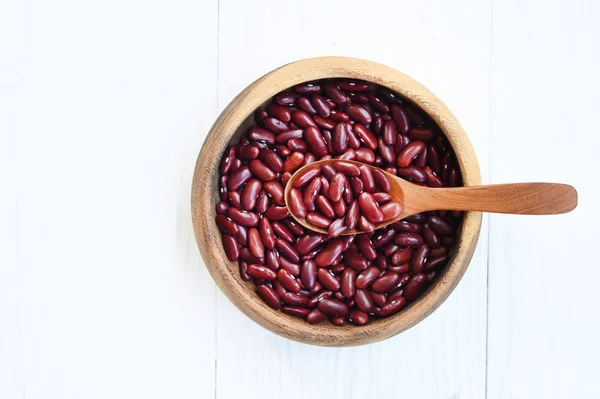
(108, 104)
(435, 44)
(543, 317)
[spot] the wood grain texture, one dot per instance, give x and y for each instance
(230, 124)
(451, 342)
(544, 321)
(512, 198)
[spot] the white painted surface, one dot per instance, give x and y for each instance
(103, 108)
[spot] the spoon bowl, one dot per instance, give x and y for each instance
(515, 198)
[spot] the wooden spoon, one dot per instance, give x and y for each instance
(514, 198)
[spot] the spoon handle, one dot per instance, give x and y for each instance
(516, 198)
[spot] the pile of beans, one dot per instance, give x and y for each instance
(355, 196)
(351, 278)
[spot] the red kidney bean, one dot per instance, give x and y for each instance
(390, 210)
(318, 220)
(400, 116)
(392, 306)
(364, 301)
(255, 243)
(310, 194)
(321, 106)
(366, 136)
(316, 142)
(262, 272)
(340, 138)
(272, 260)
(235, 165)
(248, 152)
(315, 316)
(261, 171)
(271, 159)
(242, 217)
(296, 203)
(431, 238)
(335, 93)
(275, 125)
(387, 152)
(379, 298)
(305, 105)
(346, 168)
(365, 155)
(333, 307)
(434, 253)
(434, 263)
(440, 226)
(432, 179)
(383, 237)
(244, 270)
(339, 208)
(336, 187)
(348, 287)
(277, 212)
(358, 318)
(352, 215)
(377, 103)
(308, 274)
(358, 113)
(294, 161)
(409, 153)
(382, 198)
(250, 194)
(275, 190)
(337, 227)
(269, 295)
(365, 225)
(366, 277)
(307, 175)
(286, 98)
(421, 133)
(328, 280)
(389, 133)
(415, 286)
(324, 206)
(302, 119)
(418, 259)
(414, 173)
(332, 250)
(353, 85)
(412, 240)
(261, 135)
(230, 245)
(307, 243)
(226, 225)
(284, 137)
(402, 256)
(296, 311)
(266, 233)
(382, 181)
(234, 198)
(222, 207)
(227, 160)
(294, 299)
(357, 186)
(355, 260)
(339, 116)
(282, 150)
(307, 88)
(288, 281)
(369, 208)
(385, 282)
(242, 235)
(287, 250)
(279, 112)
(238, 178)
(338, 320)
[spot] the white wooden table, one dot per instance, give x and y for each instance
(103, 109)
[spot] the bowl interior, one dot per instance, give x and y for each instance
(238, 117)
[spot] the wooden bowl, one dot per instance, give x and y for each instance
(230, 125)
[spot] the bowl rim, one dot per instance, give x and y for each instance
(204, 197)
